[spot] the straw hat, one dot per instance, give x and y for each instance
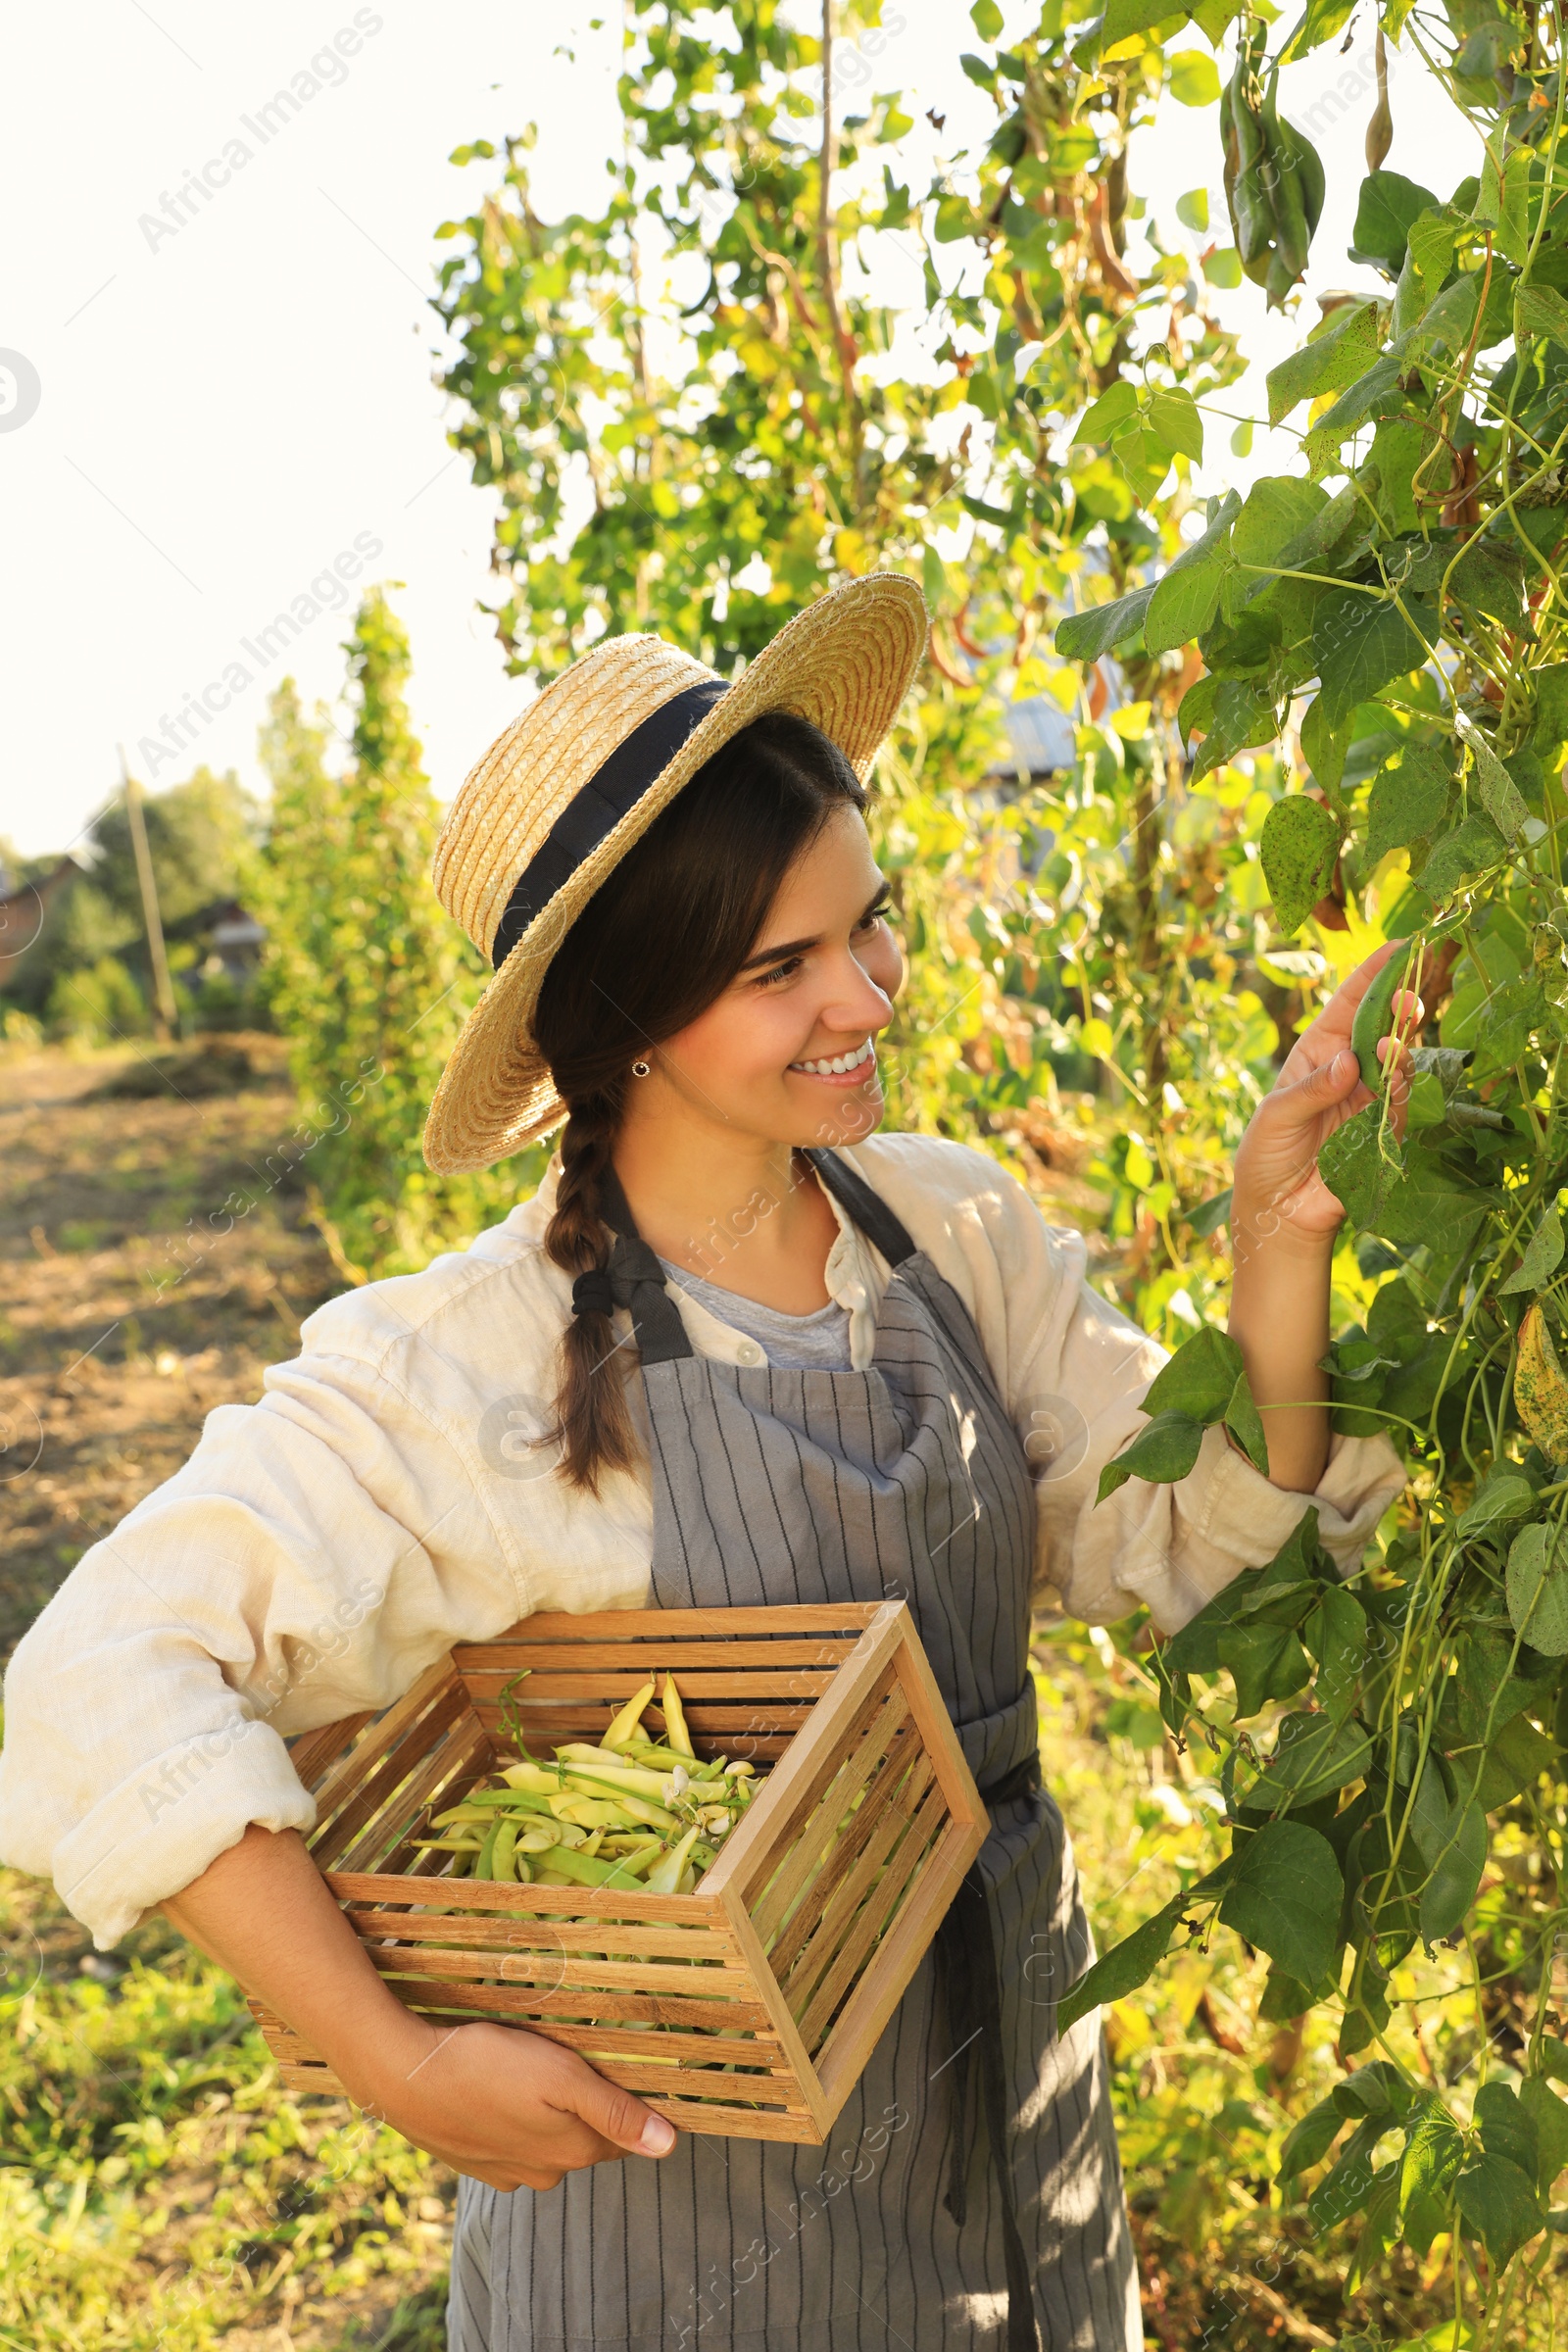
(559, 799)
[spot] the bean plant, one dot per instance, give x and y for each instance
(1390, 1746)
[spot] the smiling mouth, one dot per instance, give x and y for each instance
(837, 1065)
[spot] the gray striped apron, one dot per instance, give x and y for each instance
(970, 2195)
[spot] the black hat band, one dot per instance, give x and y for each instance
(595, 810)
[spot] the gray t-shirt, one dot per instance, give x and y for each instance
(820, 1341)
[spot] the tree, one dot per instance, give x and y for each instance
(203, 836)
(367, 974)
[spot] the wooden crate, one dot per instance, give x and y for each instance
(806, 1930)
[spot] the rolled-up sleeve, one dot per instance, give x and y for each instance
(317, 1551)
(1167, 1547)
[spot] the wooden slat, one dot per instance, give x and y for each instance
(800, 1775)
(843, 1854)
(918, 1683)
(712, 2118)
(312, 1751)
(633, 1665)
(834, 1921)
(766, 1720)
(784, 2027)
(463, 1756)
(561, 1972)
(840, 2061)
(819, 1835)
(676, 1625)
(382, 1783)
(587, 1681)
(387, 1728)
(735, 1738)
(824, 2003)
(698, 1910)
(502, 1934)
(580, 2028)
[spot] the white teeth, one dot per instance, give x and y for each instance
(839, 1062)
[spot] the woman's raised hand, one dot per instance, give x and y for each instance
(1278, 1191)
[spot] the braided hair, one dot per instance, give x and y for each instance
(658, 941)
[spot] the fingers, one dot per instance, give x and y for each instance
(1330, 1083)
(619, 2117)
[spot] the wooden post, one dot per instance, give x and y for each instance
(165, 1020)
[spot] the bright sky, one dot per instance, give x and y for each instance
(200, 426)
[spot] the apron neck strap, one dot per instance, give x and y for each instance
(866, 1208)
(637, 1282)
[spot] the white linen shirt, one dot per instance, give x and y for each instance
(386, 1498)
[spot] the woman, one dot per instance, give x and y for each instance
(739, 1349)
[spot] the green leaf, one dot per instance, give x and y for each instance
(1548, 2116)
(1358, 644)
(1541, 1261)
(1433, 2150)
(1125, 1967)
(1349, 2180)
(1182, 607)
(1451, 1888)
(1163, 1451)
(1264, 1662)
(1431, 243)
(1311, 2139)
(1312, 1756)
(1246, 716)
(1354, 1165)
(1245, 1424)
(1279, 507)
(986, 17)
(1375, 394)
(1513, 207)
(1455, 857)
(983, 76)
(1114, 409)
(1336, 1634)
(1516, 1759)
(1285, 1897)
(1375, 2090)
(1551, 706)
(1173, 416)
(1503, 1496)
(1211, 1214)
(1223, 267)
(1407, 801)
(1199, 1378)
(1499, 794)
(1388, 208)
(1499, 2206)
(1085, 636)
(1328, 364)
(1192, 210)
(1184, 600)
(1322, 19)
(1194, 78)
(1538, 1589)
(1507, 2130)
(1299, 844)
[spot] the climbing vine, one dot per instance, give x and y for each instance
(1389, 1748)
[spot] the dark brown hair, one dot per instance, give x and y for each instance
(656, 943)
